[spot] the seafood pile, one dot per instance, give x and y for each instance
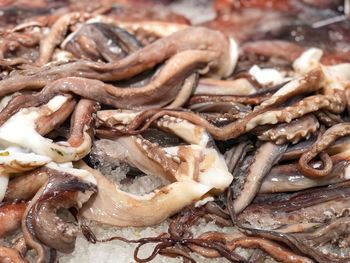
(244, 120)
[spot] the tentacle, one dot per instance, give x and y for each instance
(49, 122)
(82, 121)
(333, 103)
(224, 108)
(235, 87)
(223, 55)
(31, 139)
(293, 131)
(275, 250)
(214, 236)
(26, 24)
(266, 156)
(163, 88)
(13, 62)
(288, 178)
(327, 118)
(185, 92)
(25, 186)
(160, 91)
(232, 241)
(259, 116)
(57, 34)
(247, 100)
(309, 243)
(44, 232)
(319, 147)
(254, 99)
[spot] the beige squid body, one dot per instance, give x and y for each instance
(115, 207)
(195, 171)
(200, 172)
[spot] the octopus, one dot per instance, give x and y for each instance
(241, 121)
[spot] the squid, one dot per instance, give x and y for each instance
(215, 57)
(193, 171)
(43, 230)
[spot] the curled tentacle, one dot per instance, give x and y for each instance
(288, 178)
(319, 147)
